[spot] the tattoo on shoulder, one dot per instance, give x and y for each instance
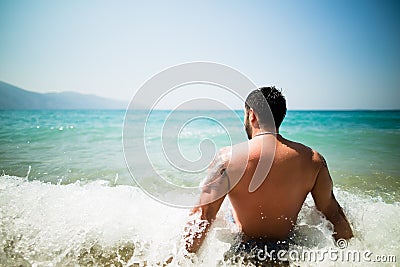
(217, 176)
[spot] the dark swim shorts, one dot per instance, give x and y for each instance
(258, 252)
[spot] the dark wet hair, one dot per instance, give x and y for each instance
(274, 98)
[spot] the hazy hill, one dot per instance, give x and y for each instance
(12, 97)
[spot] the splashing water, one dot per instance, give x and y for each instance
(68, 211)
(95, 224)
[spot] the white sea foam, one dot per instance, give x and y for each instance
(43, 224)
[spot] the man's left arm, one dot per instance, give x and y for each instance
(213, 193)
(326, 202)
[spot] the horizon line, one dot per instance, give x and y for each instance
(141, 109)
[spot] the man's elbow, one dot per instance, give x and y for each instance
(340, 223)
(334, 213)
(343, 226)
(347, 235)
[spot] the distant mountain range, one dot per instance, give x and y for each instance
(12, 97)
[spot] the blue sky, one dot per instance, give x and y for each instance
(323, 54)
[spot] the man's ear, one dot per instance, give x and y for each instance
(252, 116)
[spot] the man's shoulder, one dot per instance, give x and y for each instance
(319, 159)
(225, 152)
(223, 156)
(298, 147)
(306, 151)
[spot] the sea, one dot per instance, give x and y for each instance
(70, 197)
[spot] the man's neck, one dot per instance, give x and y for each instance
(262, 132)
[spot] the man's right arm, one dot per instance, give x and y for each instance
(214, 190)
(325, 201)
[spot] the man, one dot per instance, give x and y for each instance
(267, 180)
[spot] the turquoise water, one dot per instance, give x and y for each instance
(65, 190)
(361, 147)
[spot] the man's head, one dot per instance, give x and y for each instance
(257, 106)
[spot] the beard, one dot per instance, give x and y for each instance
(248, 128)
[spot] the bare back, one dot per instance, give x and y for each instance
(271, 211)
(266, 179)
